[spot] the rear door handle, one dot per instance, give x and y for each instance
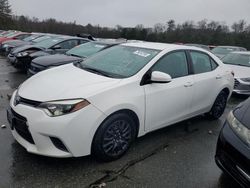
(188, 84)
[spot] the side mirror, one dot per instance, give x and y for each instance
(160, 77)
(56, 47)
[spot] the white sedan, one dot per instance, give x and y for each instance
(101, 105)
(239, 62)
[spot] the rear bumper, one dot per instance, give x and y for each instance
(233, 156)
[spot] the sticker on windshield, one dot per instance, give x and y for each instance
(141, 53)
(55, 40)
(99, 46)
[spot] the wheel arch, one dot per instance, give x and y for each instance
(129, 112)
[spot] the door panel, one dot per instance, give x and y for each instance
(205, 82)
(168, 103)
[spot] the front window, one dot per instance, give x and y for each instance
(86, 50)
(68, 44)
(174, 64)
(119, 61)
(237, 59)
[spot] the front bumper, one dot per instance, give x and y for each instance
(35, 68)
(23, 62)
(11, 58)
(233, 156)
(74, 131)
(241, 87)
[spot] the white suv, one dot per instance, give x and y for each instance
(102, 104)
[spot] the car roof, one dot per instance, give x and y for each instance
(229, 47)
(161, 46)
(107, 42)
(242, 52)
(66, 37)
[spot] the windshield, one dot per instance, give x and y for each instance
(30, 38)
(13, 34)
(48, 43)
(86, 50)
(40, 39)
(237, 59)
(119, 61)
(223, 50)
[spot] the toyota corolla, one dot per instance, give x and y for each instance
(99, 106)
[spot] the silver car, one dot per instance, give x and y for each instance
(240, 64)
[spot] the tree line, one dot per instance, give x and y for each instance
(202, 32)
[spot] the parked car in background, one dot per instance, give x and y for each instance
(199, 46)
(14, 36)
(233, 153)
(53, 45)
(76, 54)
(7, 46)
(100, 105)
(11, 56)
(239, 62)
(6, 33)
(221, 51)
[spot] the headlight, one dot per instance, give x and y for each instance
(245, 79)
(239, 128)
(22, 54)
(58, 108)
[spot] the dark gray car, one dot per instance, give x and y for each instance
(76, 54)
(9, 45)
(54, 45)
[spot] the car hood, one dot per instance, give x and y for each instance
(57, 59)
(64, 82)
(242, 113)
(25, 47)
(240, 71)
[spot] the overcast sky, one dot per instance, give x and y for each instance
(129, 13)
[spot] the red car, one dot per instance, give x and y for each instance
(14, 36)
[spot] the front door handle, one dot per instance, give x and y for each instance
(218, 77)
(188, 84)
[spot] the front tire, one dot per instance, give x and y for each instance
(219, 106)
(114, 137)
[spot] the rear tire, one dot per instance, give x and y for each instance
(114, 137)
(219, 106)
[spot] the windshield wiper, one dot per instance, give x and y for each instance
(93, 70)
(74, 55)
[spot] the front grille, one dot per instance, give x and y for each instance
(236, 83)
(58, 144)
(28, 102)
(19, 123)
(11, 55)
(36, 68)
